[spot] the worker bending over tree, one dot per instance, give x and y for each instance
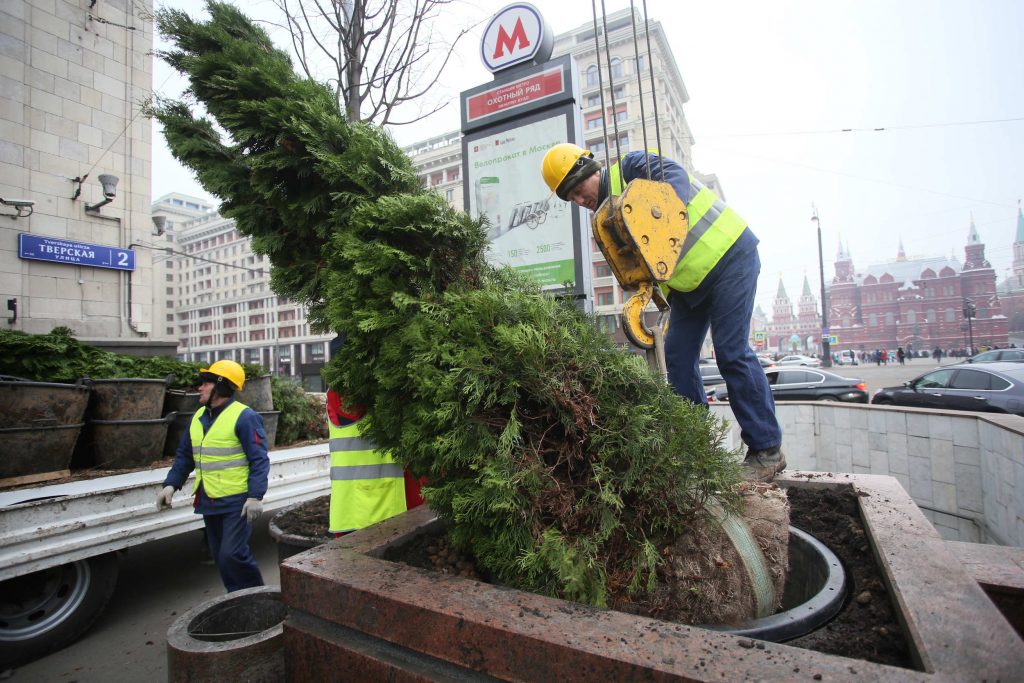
(712, 286)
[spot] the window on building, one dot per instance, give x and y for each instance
(316, 351)
(873, 320)
(454, 174)
(596, 147)
(950, 315)
(890, 319)
(616, 68)
(640, 64)
(449, 195)
(911, 316)
(605, 298)
(931, 316)
(257, 335)
(592, 75)
(602, 270)
(593, 100)
(592, 121)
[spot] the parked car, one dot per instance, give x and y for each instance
(847, 357)
(1014, 355)
(797, 359)
(766, 362)
(996, 387)
(711, 375)
(805, 384)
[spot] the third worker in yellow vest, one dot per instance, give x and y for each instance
(712, 286)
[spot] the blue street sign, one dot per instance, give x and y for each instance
(75, 253)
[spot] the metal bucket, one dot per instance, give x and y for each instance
(25, 404)
(256, 394)
(128, 444)
(175, 431)
(128, 399)
(180, 401)
(270, 419)
(291, 544)
(44, 448)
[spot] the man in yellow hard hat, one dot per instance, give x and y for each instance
(226, 445)
(712, 286)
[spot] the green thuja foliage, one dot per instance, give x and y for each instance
(59, 357)
(555, 458)
(302, 417)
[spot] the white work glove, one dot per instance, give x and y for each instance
(163, 499)
(252, 509)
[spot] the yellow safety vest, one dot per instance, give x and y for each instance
(714, 228)
(221, 465)
(366, 486)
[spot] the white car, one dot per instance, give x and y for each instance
(806, 361)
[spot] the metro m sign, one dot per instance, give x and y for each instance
(515, 35)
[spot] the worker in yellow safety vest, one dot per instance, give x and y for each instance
(712, 286)
(226, 445)
(367, 485)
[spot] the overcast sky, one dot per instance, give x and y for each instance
(772, 85)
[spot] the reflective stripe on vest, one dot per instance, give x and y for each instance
(714, 228)
(221, 465)
(367, 486)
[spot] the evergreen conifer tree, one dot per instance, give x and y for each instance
(555, 457)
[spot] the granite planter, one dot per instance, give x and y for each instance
(351, 611)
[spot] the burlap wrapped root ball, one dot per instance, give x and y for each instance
(704, 578)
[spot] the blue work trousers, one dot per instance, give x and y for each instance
(228, 536)
(726, 309)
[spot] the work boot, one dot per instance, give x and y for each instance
(762, 465)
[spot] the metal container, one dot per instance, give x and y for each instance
(270, 419)
(29, 451)
(128, 399)
(27, 404)
(128, 444)
(256, 394)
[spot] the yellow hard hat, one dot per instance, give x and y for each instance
(565, 166)
(229, 370)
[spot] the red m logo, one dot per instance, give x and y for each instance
(516, 41)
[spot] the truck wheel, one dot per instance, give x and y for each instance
(49, 609)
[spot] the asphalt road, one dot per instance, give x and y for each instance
(162, 579)
(892, 374)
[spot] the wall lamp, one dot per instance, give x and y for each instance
(23, 207)
(159, 225)
(109, 183)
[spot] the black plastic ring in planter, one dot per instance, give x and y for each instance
(236, 637)
(815, 591)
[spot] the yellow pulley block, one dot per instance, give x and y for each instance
(641, 233)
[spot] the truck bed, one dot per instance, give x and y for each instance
(48, 525)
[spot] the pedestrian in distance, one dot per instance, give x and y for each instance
(712, 286)
(226, 445)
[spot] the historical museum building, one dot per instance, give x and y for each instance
(918, 304)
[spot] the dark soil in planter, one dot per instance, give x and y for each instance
(866, 628)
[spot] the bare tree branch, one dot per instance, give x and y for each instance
(377, 55)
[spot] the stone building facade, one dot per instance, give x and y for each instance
(73, 78)
(917, 303)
